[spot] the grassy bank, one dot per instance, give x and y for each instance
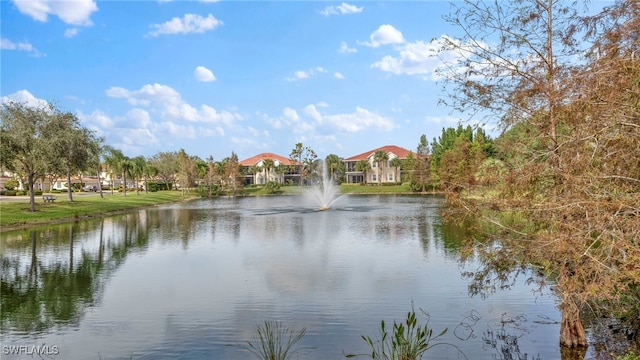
(344, 189)
(16, 214)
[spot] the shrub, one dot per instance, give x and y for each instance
(37, 192)
(154, 186)
(272, 187)
(10, 193)
(11, 184)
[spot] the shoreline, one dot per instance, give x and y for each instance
(26, 224)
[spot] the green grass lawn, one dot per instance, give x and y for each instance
(15, 214)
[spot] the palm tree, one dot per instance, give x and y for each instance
(364, 166)
(268, 165)
(97, 151)
(255, 170)
(396, 163)
(120, 163)
(139, 165)
(110, 161)
(150, 170)
(334, 165)
(380, 157)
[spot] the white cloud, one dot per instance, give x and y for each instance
(361, 119)
(338, 75)
(303, 75)
(6, 44)
(344, 48)
(168, 104)
(139, 118)
(74, 12)
(201, 73)
(24, 96)
(384, 35)
(313, 122)
(420, 58)
(71, 32)
(299, 75)
(290, 114)
(342, 9)
(137, 138)
(98, 119)
(189, 23)
(257, 132)
(443, 119)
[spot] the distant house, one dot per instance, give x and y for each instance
(386, 172)
(283, 169)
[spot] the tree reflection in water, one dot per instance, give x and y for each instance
(62, 276)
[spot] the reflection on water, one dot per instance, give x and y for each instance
(186, 280)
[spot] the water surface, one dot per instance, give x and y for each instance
(185, 281)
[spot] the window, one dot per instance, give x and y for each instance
(390, 177)
(375, 164)
(374, 177)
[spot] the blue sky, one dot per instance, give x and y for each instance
(243, 76)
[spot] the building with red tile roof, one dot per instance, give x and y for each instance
(284, 169)
(385, 173)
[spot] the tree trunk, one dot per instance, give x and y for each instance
(69, 185)
(572, 334)
(32, 197)
(124, 180)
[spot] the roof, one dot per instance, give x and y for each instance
(264, 156)
(395, 150)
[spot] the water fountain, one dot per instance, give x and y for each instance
(324, 194)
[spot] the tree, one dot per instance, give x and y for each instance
(334, 166)
(396, 163)
(409, 164)
(421, 166)
(570, 167)
(122, 164)
(255, 169)
(380, 157)
(233, 174)
(28, 138)
(139, 169)
(363, 166)
(150, 171)
(167, 165)
(72, 145)
(187, 170)
(268, 165)
(211, 174)
(455, 169)
(302, 157)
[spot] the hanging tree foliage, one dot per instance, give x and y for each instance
(571, 147)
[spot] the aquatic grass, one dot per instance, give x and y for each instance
(408, 340)
(274, 341)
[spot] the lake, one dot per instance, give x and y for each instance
(193, 281)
